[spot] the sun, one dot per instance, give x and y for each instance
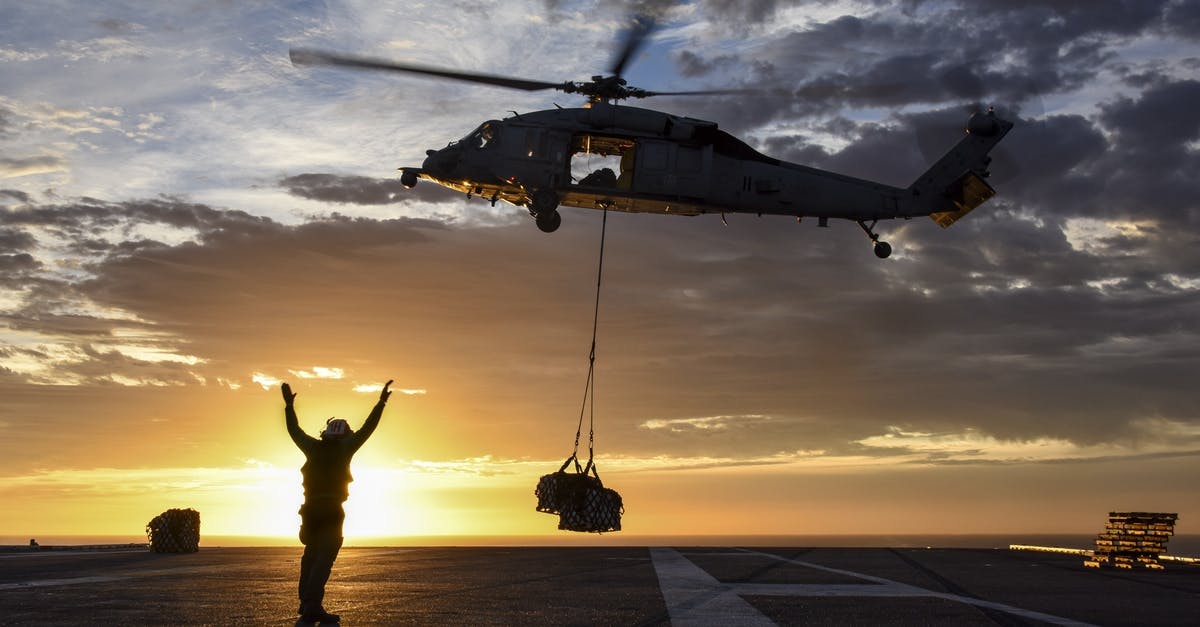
(383, 503)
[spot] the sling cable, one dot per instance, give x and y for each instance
(579, 497)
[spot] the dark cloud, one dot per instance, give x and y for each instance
(1162, 118)
(744, 11)
(362, 190)
(1071, 18)
(1183, 18)
(1148, 173)
(15, 194)
(29, 165)
(977, 52)
(1017, 322)
(693, 65)
(117, 26)
(17, 261)
(13, 240)
(20, 262)
(84, 221)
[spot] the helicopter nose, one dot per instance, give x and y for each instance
(438, 161)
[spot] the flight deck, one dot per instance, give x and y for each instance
(656, 585)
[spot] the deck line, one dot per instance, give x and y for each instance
(694, 597)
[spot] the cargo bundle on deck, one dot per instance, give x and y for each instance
(174, 531)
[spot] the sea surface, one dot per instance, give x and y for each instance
(1180, 545)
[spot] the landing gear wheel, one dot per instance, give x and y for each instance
(548, 222)
(543, 206)
(543, 201)
(883, 250)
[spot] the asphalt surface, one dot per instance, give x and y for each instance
(594, 586)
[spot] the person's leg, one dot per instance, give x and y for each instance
(306, 565)
(322, 565)
(324, 551)
(321, 533)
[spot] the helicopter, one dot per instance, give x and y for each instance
(656, 162)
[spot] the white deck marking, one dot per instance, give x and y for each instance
(694, 597)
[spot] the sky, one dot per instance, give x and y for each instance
(187, 220)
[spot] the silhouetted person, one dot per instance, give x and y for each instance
(327, 480)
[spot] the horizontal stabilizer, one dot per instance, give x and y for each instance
(966, 192)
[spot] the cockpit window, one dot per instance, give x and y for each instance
(481, 137)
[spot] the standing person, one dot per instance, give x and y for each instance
(327, 480)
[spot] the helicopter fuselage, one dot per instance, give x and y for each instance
(654, 162)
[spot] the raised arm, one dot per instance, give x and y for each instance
(359, 437)
(293, 423)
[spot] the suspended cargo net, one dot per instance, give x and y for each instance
(174, 531)
(579, 498)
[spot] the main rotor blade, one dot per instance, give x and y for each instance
(703, 92)
(302, 56)
(643, 25)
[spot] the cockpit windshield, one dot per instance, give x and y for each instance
(481, 137)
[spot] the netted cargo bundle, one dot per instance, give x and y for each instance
(174, 531)
(580, 499)
(594, 508)
(554, 489)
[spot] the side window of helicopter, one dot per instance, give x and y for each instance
(533, 143)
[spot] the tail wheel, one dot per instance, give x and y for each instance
(883, 250)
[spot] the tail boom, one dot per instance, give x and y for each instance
(955, 184)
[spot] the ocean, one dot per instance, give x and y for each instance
(1179, 546)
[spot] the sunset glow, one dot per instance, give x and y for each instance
(188, 221)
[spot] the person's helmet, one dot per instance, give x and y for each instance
(335, 428)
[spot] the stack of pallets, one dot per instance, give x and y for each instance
(1133, 540)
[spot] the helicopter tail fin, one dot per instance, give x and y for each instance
(955, 184)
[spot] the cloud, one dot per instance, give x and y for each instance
(1148, 437)
(1063, 312)
(1183, 19)
(693, 65)
(10, 167)
(266, 381)
(18, 263)
(15, 194)
(897, 55)
(320, 372)
(371, 388)
(706, 423)
(362, 190)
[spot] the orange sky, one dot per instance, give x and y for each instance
(703, 426)
(187, 219)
